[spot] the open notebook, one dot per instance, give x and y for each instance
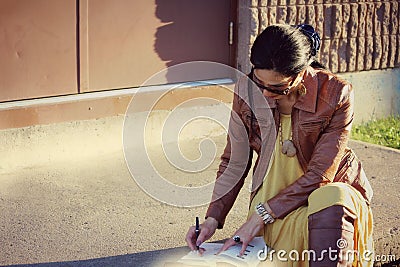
(229, 257)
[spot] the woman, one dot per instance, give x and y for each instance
(309, 191)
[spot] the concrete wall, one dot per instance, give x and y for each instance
(357, 37)
(377, 93)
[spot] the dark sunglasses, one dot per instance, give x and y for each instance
(269, 89)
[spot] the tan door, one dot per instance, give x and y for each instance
(124, 42)
(37, 48)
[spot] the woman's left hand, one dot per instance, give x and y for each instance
(246, 232)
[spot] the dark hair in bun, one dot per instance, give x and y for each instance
(286, 49)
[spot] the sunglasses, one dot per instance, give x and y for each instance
(269, 89)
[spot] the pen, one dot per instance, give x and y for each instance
(197, 231)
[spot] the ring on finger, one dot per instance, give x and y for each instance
(236, 238)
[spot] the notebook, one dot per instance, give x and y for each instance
(229, 257)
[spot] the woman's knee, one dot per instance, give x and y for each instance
(334, 192)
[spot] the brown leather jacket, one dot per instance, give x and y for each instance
(321, 123)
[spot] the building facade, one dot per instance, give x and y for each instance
(70, 50)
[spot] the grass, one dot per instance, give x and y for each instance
(385, 132)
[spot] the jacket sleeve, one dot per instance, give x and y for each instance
(324, 161)
(235, 164)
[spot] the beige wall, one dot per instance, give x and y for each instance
(377, 93)
(38, 48)
(60, 47)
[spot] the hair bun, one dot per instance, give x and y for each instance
(310, 32)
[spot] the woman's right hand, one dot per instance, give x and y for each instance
(207, 230)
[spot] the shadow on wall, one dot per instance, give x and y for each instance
(193, 31)
(177, 41)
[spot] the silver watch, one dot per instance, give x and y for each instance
(262, 211)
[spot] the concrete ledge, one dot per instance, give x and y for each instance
(17, 114)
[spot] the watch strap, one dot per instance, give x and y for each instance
(264, 214)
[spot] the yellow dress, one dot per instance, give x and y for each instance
(291, 233)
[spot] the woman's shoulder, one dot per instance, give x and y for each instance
(332, 87)
(327, 76)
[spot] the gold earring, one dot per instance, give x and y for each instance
(302, 90)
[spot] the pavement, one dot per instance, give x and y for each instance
(67, 198)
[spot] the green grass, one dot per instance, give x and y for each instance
(385, 132)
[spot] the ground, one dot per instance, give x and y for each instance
(67, 198)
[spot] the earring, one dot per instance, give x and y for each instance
(302, 90)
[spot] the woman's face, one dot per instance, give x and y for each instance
(275, 81)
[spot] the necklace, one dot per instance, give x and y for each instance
(288, 147)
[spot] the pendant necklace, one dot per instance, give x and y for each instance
(288, 147)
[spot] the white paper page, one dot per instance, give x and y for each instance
(251, 253)
(209, 257)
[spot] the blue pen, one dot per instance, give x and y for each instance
(197, 231)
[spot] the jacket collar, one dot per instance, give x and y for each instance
(308, 102)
